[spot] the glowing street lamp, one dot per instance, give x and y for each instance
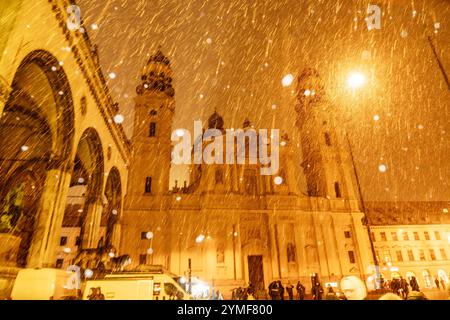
(356, 80)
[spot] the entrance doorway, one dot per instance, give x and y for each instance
(255, 272)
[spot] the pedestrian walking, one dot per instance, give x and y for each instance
(300, 291)
(317, 291)
(290, 290)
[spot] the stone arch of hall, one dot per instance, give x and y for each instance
(86, 185)
(36, 139)
(113, 207)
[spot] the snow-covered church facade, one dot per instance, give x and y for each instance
(233, 224)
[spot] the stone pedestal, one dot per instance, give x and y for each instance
(9, 248)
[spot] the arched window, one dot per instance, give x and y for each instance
(427, 278)
(148, 185)
(327, 138)
(337, 190)
(291, 252)
(152, 129)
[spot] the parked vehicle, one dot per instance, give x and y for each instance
(137, 285)
(43, 284)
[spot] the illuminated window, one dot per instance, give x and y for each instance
(416, 236)
(427, 235)
(351, 257)
(437, 234)
(432, 254)
(443, 254)
(410, 255)
(427, 278)
(422, 255)
(387, 256)
(399, 255)
(383, 236)
(394, 236)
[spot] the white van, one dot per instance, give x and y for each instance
(135, 286)
(43, 284)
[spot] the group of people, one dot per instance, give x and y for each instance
(350, 288)
(400, 286)
(276, 290)
(96, 294)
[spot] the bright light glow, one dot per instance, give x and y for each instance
(24, 148)
(67, 250)
(307, 92)
(287, 80)
(178, 198)
(114, 212)
(278, 180)
(200, 290)
(88, 273)
(149, 235)
(394, 269)
(112, 75)
(356, 80)
(149, 251)
(111, 254)
(283, 143)
(445, 210)
(118, 118)
(200, 238)
(179, 132)
(382, 168)
(182, 280)
(448, 238)
(376, 117)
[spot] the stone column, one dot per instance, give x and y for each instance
(50, 216)
(91, 224)
(331, 248)
(362, 243)
(323, 258)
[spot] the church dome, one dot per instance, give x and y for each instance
(159, 57)
(157, 75)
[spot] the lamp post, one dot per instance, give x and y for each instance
(355, 81)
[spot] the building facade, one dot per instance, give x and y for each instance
(63, 159)
(412, 239)
(230, 224)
